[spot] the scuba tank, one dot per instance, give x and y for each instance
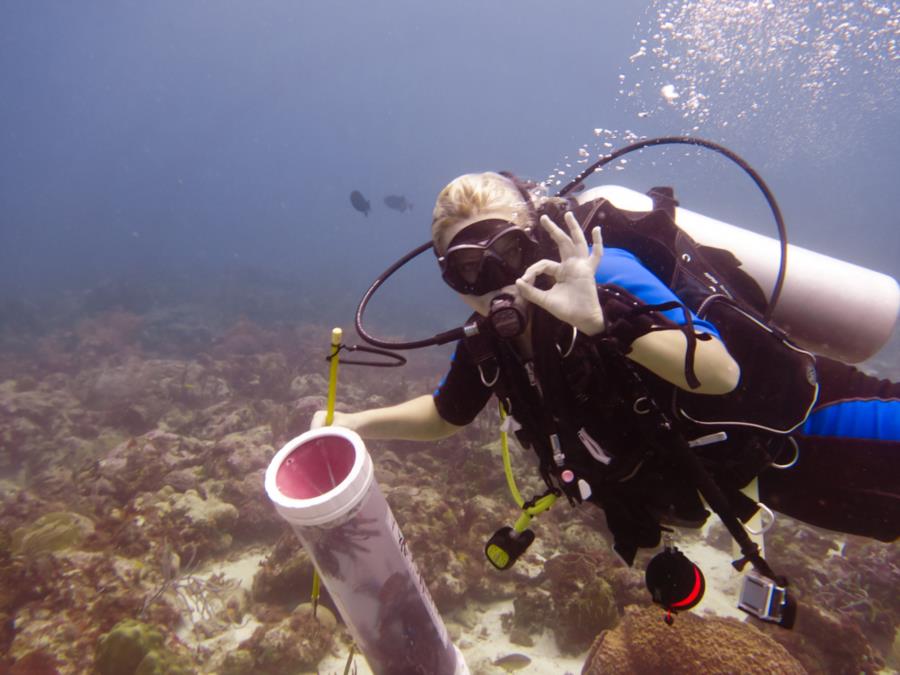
(828, 306)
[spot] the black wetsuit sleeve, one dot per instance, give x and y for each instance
(843, 477)
(841, 382)
(461, 395)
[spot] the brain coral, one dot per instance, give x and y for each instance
(643, 643)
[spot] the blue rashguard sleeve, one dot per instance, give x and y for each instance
(853, 404)
(874, 419)
(622, 268)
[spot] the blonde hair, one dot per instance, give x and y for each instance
(474, 193)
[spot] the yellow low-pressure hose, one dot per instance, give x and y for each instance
(541, 505)
(507, 464)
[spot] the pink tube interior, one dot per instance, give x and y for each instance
(315, 467)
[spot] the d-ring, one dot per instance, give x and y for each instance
(571, 344)
(766, 527)
(641, 405)
(484, 380)
(795, 458)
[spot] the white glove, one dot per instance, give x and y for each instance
(573, 298)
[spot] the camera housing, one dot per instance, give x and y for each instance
(767, 600)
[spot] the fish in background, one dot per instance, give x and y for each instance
(512, 662)
(398, 203)
(360, 203)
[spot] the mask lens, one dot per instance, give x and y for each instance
(508, 247)
(478, 268)
(467, 263)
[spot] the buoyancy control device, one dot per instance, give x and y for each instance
(827, 306)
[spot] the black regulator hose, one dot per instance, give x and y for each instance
(441, 338)
(721, 149)
(462, 331)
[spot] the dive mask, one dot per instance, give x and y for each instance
(486, 256)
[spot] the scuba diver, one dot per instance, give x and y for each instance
(630, 399)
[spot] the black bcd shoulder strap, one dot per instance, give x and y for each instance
(778, 384)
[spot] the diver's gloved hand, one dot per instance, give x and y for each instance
(573, 298)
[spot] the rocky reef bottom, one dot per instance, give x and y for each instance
(136, 538)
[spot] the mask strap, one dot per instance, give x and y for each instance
(520, 186)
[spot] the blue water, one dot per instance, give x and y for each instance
(175, 177)
(185, 140)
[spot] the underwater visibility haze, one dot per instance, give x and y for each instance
(193, 193)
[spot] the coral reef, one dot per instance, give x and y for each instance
(850, 609)
(569, 597)
(135, 648)
(827, 643)
(643, 644)
(295, 643)
(133, 442)
(584, 604)
(51, 532)
(285, 576)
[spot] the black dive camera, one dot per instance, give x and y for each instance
(766, 600)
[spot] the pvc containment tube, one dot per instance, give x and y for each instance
(322, 483)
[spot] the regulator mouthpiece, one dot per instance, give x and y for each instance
(506, 318)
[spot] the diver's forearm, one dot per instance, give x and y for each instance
(663, 352)
(413, 420)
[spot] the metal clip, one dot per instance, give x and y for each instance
(709, 439)
(558, 457)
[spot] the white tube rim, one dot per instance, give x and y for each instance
(333, 504)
